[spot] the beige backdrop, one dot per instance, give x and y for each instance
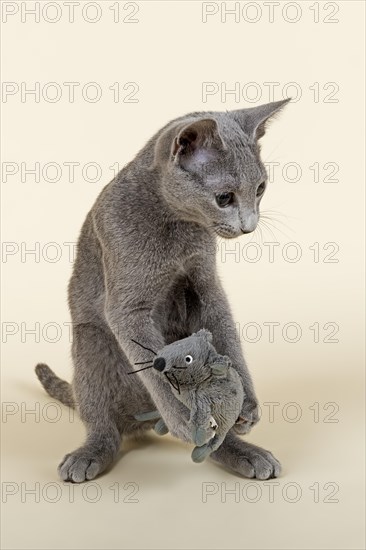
(105, 76)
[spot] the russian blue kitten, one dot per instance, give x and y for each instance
(146, 272)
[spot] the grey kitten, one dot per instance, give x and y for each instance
(207, 384)
(146, 271)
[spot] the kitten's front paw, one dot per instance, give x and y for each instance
(263, 465)
(248, 417)
(79, 466)
(246, 459)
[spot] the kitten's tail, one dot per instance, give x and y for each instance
(54, 386)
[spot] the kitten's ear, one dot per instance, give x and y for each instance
(197, 143)
(255, 119)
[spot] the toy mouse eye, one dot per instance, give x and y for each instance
(188, 359)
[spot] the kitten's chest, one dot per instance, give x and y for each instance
(187, 248)
(178, 308)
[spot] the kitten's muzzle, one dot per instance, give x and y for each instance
(159, 364)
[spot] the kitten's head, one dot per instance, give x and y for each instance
(211, 171)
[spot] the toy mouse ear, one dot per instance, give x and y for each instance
(221, 365)
(205, 334)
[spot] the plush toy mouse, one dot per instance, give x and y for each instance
(206, 383)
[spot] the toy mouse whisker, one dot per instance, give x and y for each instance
(144, 347)
(177, 387)
(139, 370)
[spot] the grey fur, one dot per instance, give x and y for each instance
(146, 270)
(207, 384)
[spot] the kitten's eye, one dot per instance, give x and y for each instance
(188, 359)
(261, 189)
(224, 199)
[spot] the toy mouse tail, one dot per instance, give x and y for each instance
(54, 386)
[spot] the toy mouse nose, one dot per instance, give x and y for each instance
(159, 364)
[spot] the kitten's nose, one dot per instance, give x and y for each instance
(159, 364)
(249, 222)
